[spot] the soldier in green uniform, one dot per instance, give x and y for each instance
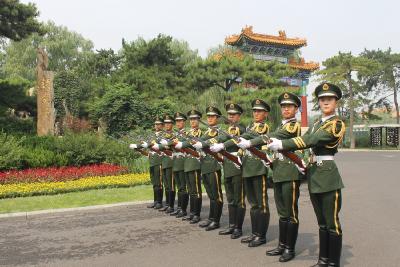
(155, 167)
(179, 168)
(167, 164)
(233, 180)
(286, 178)
(210, 171)
(192, 170)
(324, 180)
(254, 173)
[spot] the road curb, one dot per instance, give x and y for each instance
(368, 150)
(94, 207)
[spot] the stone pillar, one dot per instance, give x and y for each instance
(45, 96)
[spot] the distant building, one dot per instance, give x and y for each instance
(282, 49)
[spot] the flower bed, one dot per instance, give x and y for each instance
(59, 174)
(48, 188)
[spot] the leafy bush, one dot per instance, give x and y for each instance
(11, 152)
(17, 126)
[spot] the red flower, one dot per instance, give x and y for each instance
(59, 174)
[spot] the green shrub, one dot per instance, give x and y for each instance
(39, 158)
(11, 152)
(17, 126)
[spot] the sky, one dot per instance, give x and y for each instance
(328, 26)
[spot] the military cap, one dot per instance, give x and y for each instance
(289, 98)
(158, 120)
(233, 109)
(194, 114)
(168, 119)
(213, 111)
(180, 116)
(328, 89)
(258, 104)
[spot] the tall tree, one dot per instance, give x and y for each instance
(387, 75)
(66, 49)
(17, 20)
(341, 69)
(226, 67)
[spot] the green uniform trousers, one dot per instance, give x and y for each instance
(235, 192)
(326, 207)
(212, 184)
(180, 181)
(156, 177)
(168, 179)
(256, 191)
(286, 196)
(193, 181)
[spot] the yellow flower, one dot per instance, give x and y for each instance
(30, 189)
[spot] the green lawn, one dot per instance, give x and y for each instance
(77, 199)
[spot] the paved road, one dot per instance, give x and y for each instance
(136, 236)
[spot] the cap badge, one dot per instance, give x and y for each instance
(325, 87)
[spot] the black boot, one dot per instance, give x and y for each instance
(197, 210)
(191, 209)
(178, 209)
(166, 201)
(323, 248)
(262, 227)
(152, 205)
(335, 249)
(171, 202)
(159, 199)
(232, 217)
(207, 222)
(239, 218)
(216, 217)
(292, 231)
(282, 239)
(184, 204)
(253, 220)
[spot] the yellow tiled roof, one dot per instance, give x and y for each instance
(269, 39)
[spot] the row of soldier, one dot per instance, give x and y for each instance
(182, 160)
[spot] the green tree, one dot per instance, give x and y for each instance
(66, 49)
(157, 68)
(341, 69)
(13, 92)
(387, 76)
(17, 20)
(123, 109)
(226, 67)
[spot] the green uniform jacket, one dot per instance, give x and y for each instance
(154, 158)
(323, 139)
(191, 163)
(166, 161)
(284, 169)
(230, 169)
(208, 163)
(252, 165)
(179, 158)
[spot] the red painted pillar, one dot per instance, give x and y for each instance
(304, 113)
(304, 117)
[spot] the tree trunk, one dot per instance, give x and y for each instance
(396, 104)
(351, 107)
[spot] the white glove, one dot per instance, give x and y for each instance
(301, 170)
(164, 142)
(217, 147)
(133, 146)
(198, 145)
(178, 145)
(156, 147)
(145, 145)
(244, 143)
(267, 164)
(275, 144)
